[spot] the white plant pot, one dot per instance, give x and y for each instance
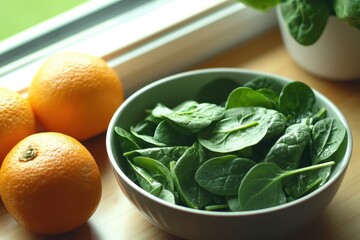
(335, 56)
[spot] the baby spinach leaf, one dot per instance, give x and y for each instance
(222, 175)
(159, 110)
(217, 207)
(348, 10)
(146, 138)
(297, 100)
(268, 83)
(263, 185)
(166, 134)
(184, 172)
(246, 97)
(306, 20)
(167, 196)
(240, 128)
(156, 170)
(185, 106)
(304, 183)
(260, 150)
(276, 125)
(145, 180)
(271, 96)
(127, 141)
(233, 203)
(321, 114)
(196, 118)
(145, 127)
(155, 114)
(327, 136)
(162, 154)
(288, 149)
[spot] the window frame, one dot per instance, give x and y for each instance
(192, 33)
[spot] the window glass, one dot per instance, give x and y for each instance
(19, 15)
(31, 25)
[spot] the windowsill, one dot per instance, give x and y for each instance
(142, 49)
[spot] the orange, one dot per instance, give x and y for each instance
(76, 94)
(16, 120)
(50, 183)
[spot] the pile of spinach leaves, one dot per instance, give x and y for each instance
(306, 19)
(263, 145)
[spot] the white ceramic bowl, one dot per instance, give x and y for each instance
(335, 56)
(199, 224)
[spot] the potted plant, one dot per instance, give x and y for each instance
(322, 36)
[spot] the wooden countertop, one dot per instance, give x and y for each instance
(116, 218)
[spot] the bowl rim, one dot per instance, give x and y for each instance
(110, 133)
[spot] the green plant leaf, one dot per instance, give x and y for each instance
(195, 118)
(247, 97)
(149, 140)
(154, 115)
(145, 128)
(288, 149)
(235, 132)
(297, 100)
(271, 96)
(240, 128)
(184, 172)
(165, 155)
(268, 83)
(223, 175)
(166, 134)
(167, 196)
(233, 203)
(127, 141)
(304, 183)
(306, 19)
(157, 171)
(263, 186)
(159, 110)
(348, 10)
(276, 125)
(146, 181)
(327, 135)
